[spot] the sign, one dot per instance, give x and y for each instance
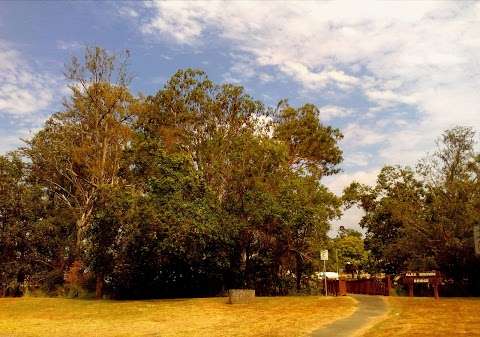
(432, 278)
(476, 238)
(421, 280)
(421, 274)
(324, 255)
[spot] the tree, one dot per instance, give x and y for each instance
(451, 179)
(424, 219)
(394, 210)
(307, 209)
(349, 250)
(312, 147)
(13, 216)
(33, 242)
(80, 150)
(193, 190)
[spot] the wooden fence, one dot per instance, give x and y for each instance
(336, 287)
(372, 286)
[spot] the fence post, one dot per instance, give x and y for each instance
(388, 285)
(435, 291)
(342, 287)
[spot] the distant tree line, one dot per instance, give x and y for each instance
(200, 188)
(191, 191)
(423, 218)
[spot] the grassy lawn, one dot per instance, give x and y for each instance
(212, 317)
(428, 317)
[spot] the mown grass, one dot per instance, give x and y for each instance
(427, 317)
(212, 317)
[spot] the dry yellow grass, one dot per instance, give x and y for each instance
(427, 317)
(212, 317)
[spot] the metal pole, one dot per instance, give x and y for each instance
(325, 277)
(336, 259)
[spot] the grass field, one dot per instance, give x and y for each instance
(212, 317)
(427, 317)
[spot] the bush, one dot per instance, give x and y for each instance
(78, 282)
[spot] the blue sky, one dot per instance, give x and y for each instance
(391, 75)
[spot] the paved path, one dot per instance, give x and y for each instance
(369, 309)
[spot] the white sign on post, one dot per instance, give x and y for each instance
(324, 255)
(476, 238)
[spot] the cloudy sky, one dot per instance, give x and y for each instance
(392, 75)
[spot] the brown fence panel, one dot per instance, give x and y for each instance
(372, 286)
(337, 287)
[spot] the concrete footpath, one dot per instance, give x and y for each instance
(370, 310)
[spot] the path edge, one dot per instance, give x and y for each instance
(375, 321)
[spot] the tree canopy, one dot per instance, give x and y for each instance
(199, 188)
(190, 191)
(423, 218)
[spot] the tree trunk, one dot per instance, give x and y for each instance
(299, 272)
(84, 220)
(99, 285)
(243, 266)
(249, 277)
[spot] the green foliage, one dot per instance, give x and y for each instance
(424, 219)
(191, 191)
(311, 145)
(35, 231)
(348, 247)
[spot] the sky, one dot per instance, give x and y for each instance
(391, 75)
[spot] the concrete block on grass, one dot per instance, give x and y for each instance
(236, 296)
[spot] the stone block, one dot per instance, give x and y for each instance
(236, 296)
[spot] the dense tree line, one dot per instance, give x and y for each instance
(423, 218)
(200, 188)
(190, 191)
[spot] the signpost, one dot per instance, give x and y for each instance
(324, 257)
(476, 238)
(336, 260)
(432, 278)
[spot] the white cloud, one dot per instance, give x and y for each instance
(181, 21)
(316, 80)
(23, 91)
(128, 12)
(415, 63)
(266, 77)
(350, 219)
(419, 54)
(338, 182)
(358, 159)
(242, 68)
(68, 45)
(26, 92)
(357, 135)
(388, 98)
(12, 138)
(328, 112)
